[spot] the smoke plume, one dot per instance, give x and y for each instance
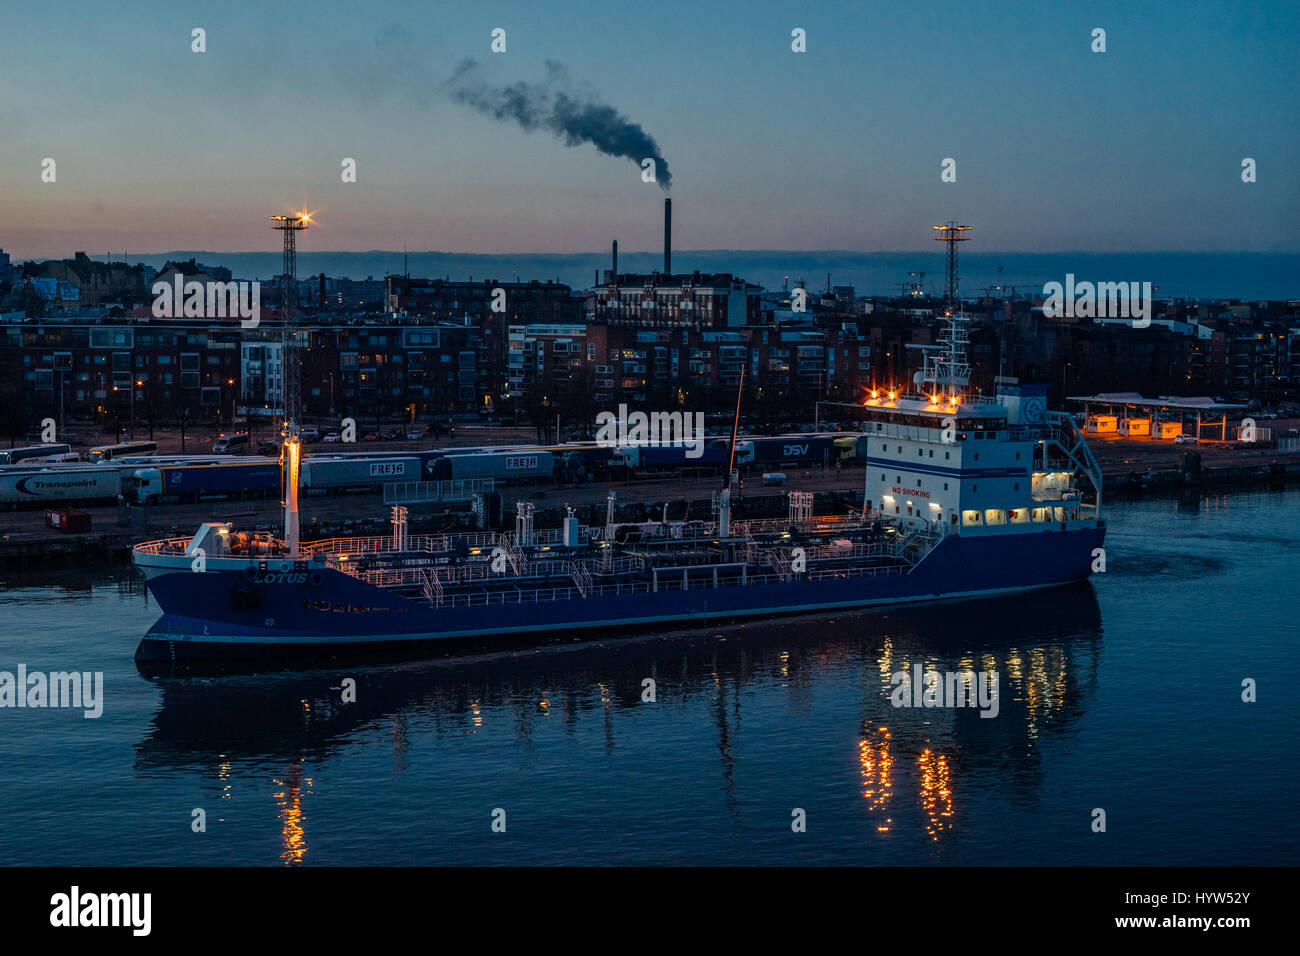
(553, 107)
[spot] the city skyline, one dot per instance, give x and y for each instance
(1057, 148)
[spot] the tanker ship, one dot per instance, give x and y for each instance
(964, 496)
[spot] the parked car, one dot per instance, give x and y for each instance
(415, 434)
(393, 434)
(331, 437)
(310, 434)
(1184, 439)
(371, 436)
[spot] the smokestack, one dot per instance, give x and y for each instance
(668, 236)
(614, 270)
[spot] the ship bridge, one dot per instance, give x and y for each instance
(978, 465)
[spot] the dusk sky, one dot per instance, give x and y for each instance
(1057, 147)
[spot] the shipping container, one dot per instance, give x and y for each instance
(1169, 429)
(800, 449)
(321, 474)
(60, 483)
(190, 481)
(68, 520)
(509, 466)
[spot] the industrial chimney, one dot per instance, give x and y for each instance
(615, 267)
(668, 236)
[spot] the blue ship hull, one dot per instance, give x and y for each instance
(228, 615)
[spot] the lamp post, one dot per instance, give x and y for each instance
(148, 404)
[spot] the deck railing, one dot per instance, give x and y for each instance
(162, 546)
(574, 592)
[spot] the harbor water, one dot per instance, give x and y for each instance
(769, 743)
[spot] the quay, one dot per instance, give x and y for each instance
(1130, 467)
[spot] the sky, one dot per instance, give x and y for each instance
(1057, 148)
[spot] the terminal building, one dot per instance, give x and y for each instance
(1129, 415)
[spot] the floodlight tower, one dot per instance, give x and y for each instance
(951, 233)
(291, 457)
(289, 377)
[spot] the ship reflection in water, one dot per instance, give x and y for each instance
(745, 724)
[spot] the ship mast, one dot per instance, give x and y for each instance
(290, 384)
(724, 502)
(949, 369)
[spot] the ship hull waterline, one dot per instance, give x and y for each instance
(276, 618)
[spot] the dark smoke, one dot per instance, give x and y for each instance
(549, 106)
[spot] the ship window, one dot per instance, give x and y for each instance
(974, 487)
(995, 516)
(947, 454)
(1017, 456)
(920, 453)
(898, 479)
(945, 486)
(900, 449)
(970, 518)
(918, 482)
(931, 452)
(977, 456)
(1017, 488)
(882, 477)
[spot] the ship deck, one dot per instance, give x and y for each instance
(494, 569)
